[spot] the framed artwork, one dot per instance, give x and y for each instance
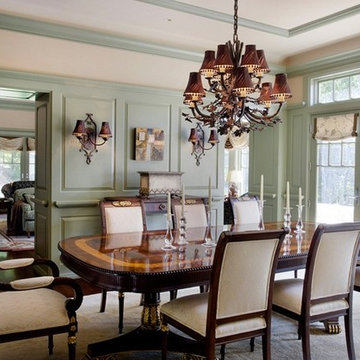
(149, 144)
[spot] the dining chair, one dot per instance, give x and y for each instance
(120, 217)
(357, 279)
(34, 306)
(326, 291)
(238, 304)
(245, 212)
(194, 212)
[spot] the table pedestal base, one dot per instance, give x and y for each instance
(332, 326)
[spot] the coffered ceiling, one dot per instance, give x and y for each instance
(283, 28)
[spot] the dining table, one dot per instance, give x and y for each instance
(136, 262)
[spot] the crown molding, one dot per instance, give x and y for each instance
(17, 104)
(345, 58)
(216, 15)
(15, 23)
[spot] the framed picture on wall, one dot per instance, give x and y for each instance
(149, 144)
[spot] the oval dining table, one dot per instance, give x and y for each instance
(135, 262)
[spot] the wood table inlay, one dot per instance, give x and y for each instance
(134, 262)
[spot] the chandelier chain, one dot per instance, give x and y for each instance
(235, 37)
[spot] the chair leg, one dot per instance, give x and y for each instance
(165, 333)
(295, 274)
(252, 344)
(103, 300)
(72, 346)
(28, 234)
(173, 294)
(305, 337)
(51, 344)
(121, 311)
(222, 352)
(349, 336)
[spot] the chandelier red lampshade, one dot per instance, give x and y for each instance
(239, 102)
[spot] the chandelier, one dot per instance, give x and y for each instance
(240, 102)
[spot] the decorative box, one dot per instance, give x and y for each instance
(160, 182)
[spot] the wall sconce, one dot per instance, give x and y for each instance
(197, 137)
(86, 130)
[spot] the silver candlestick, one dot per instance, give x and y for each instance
(261, 214)
(300, 224)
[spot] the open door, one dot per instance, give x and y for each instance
(42, 175)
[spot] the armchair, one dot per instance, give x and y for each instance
(34, 307)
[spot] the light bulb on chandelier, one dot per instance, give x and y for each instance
(241, 102)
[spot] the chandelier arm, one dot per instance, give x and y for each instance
(264, 117)
(97, 144)
(223, 84)
(201, 113)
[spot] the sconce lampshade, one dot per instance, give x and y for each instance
(281, 90)
(193, 138)
(105, 132)
(79, 129)
(223, 60)
(213, 138)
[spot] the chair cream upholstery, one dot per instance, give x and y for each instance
(357, 279)
(120, 217)
(33, 307)
(195, 214)
(245, 211)
(238, 304)
(326, 291)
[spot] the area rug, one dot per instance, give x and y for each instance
(95, 326)
(14, 243)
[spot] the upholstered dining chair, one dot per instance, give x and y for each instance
(245, 212)
(119, 217)
(238, 304)
(194, 211)
(326, 291)
(33, 307)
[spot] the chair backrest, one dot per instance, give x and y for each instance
(243, 275)
(331, 261)
(194, 210)
(121, 216)
(245, 211)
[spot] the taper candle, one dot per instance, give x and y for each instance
(169, 206)
(183, 202)
(300, 197)
(209, 194)
(287, 196)
(262, 187)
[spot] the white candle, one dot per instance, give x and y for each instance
(183, 202)
(209, 195)
(300, 197)
(287, 196)
(169, 206)
(262, 187)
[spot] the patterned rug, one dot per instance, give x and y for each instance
(14, 243)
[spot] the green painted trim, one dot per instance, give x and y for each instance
(340, 15)
(17, 132)
(43, 80)
(218, 16)
(76, 204)
(17, 105)
(15, 23)
(290, 107)
(346, 58)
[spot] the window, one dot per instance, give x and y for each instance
(335, 180)
(337, 88)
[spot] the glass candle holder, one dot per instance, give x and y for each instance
(261, 214)
(182, 231)
(168, 239)
(287, 225)
(209, 242)
(300, 224)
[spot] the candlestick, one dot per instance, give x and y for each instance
(168, 206)
(262, 187)
(287, 195)
(300, 197)
(183, 202)
(209, 194)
